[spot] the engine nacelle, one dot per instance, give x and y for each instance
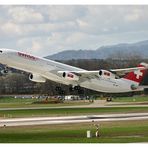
(37, 78)
(106, 74)
(70, 76)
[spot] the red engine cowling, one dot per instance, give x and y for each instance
(70, 76)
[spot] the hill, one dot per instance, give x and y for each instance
(112, 51)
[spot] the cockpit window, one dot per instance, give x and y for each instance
(1, 51)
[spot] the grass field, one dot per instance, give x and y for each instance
(28, 102)
(9, 102)
(131, 99)
(19, 102)
(68, 111)
(111, 132)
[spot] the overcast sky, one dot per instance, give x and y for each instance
(48, 29)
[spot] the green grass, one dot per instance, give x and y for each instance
(69, 111)
(111, 132)
(9, 102)
(23, 105)
(16, 100)
(131, 99)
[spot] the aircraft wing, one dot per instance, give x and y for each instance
(83, 73)
(121, 72)
(95, 74)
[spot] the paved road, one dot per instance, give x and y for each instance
(72, 119)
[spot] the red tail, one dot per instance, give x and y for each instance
(137, 76)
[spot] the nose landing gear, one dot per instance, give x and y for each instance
(5, 70)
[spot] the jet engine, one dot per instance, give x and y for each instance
(37, 78)
(106, 74)
(70, 76)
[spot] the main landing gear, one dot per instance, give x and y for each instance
(59, 90)
(77, 89)
(72, 90)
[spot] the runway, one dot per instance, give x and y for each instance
(72, 119)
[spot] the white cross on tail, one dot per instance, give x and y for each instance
(138, 73)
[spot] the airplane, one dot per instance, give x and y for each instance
(41, 69)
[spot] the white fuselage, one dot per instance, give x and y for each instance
(49, 70)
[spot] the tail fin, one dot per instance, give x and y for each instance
(138, 75)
